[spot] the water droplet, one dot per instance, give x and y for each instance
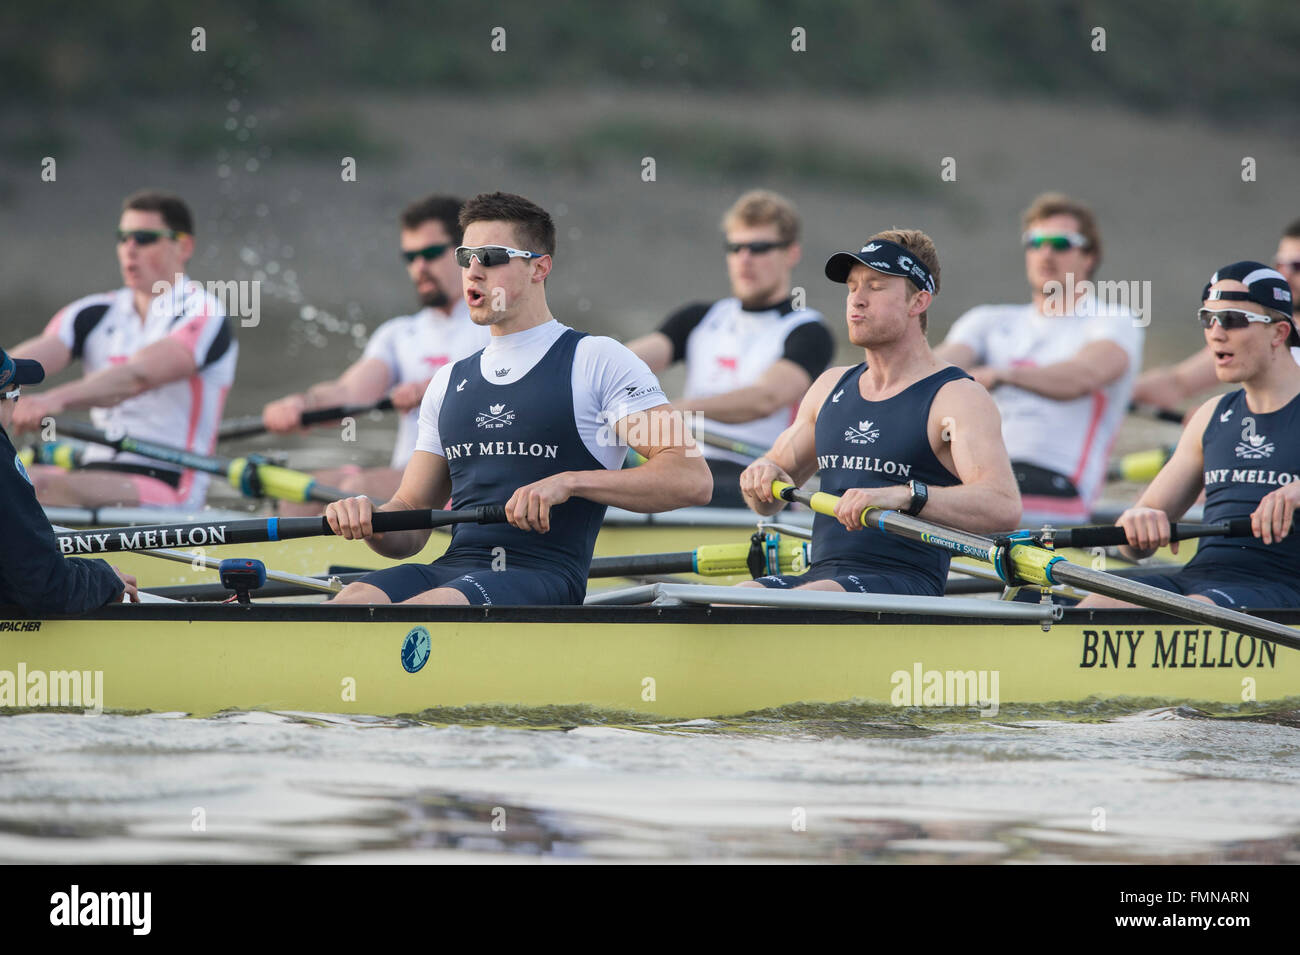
(223, 170)
(233, 106)
(252, 164)
(242, 135)
(231, 122)
(263, 210)
(273, 268)
(584, 305)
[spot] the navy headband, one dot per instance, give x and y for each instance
(883, 256)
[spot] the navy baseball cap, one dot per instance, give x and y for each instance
(883, 256)
(1264, 286)
(19, 371)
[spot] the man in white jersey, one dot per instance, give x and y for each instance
(159, 357)
(749, 358)
(538, 421)
(1170, 386)
(1060, 371)
(403, 354)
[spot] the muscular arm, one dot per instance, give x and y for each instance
(781, 385)
(364, 382)
(157, 364)
(1171, 385)
(955, 353)
(1094, 366)
(674, 475)
(1179, 482)
(655, 349)
(48, 349)
(426, 485)
(965, 426)
(793, 456)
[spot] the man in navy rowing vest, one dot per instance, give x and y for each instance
(1243, 448)
(750, 358)
(540, 420)
(34, 574)
(902, 430)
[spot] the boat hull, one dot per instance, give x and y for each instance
(630, 663)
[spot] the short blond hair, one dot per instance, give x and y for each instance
(762, 207)
(921, 246)
(1059, 204)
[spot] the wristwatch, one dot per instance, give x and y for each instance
(920, 494)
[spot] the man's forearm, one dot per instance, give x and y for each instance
(327, 394)
(667, 481)
(977, 508)
(1063, 381)
(103, 389)
(733, 407)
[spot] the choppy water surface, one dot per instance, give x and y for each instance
(835, 785)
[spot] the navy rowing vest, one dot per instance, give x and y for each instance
(1247, 456)
(864, 443)
(498, 438)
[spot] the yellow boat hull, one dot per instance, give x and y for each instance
(628, 662)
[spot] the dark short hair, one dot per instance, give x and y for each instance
(445, 209)
(533, 224)
(1292, 231)
(175, 213)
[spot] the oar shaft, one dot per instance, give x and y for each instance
(1037, 565)
(730, 444)
(1159, 414)
(251, 477)
(251, 425)
(218, 533)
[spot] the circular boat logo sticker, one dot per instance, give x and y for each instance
(415, 650)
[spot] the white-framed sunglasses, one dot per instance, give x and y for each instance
(13, 394)
(1233, 318)
(491, 255)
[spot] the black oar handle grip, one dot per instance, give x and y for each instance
(416, 520)
(1109, 535)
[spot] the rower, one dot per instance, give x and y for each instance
(1170, 386)
(751, 357)
(34, 574)
(1060, 368)
(902, 430)
(159, 356)
(541, 420)
(402, 355)
(1242, 448)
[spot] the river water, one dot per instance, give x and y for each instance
(839, 784)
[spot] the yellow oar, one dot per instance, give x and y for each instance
(1017, 559)
(767, 554)
(250, 475)
(1139, 466)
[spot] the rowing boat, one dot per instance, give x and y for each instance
(676, 658)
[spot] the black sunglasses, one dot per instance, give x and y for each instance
(147, 236)
(756, 248)
(429, 253)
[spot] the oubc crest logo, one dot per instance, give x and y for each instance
(502, 372)
(495, 417)
(864, 433)
(1253, 446)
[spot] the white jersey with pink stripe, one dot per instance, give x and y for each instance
(105, 330)
(1071, 437)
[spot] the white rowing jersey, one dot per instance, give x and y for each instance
(105, 330)
(1072, 438)
(414, 347)
(608, 381)
(727, 347)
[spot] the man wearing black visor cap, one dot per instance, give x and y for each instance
(34, 574)
(1243, 448)
(902, 430)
